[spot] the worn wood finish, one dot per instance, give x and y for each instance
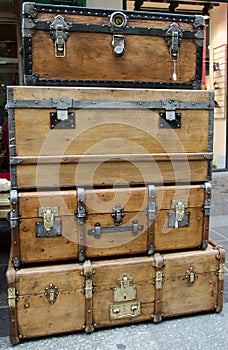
(108, 146)
(161, 285)
(89, 58)
(112, 172)
(154, 235)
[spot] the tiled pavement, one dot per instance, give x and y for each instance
(218, 232)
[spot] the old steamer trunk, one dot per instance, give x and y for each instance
(65, 225)
(134, 290)
(66, 45)
(100, 136)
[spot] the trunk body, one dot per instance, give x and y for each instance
(73, 46)
(100, 137)
(134, 290)
(94, 223)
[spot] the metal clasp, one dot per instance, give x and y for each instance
(126, 290)
(178, 218)
(173, 41)
(81, 212)
(118, 45)
(118, 214)
(59, 33)
(51, 293)
(191, 276)
(48, 213)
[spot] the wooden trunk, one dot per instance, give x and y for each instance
(73, 46)
(89, 223)
(134, 290)
(64, 137)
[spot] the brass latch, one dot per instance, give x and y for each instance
(48, 213)
(88, 288)
(126, 289)
(51, 293)
(221, 272)
(191, 276)
(11, 297)
(158, 279)
(178, 217)
(124, 310)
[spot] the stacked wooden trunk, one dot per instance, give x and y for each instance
(111, 151)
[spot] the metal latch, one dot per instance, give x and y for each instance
(191, 276)
(207, 207)
(173, 41)
(118, 45)
(126, 290)
(11, 297)
(59, 34)
(178, 217)
(62, 118)
(118, 214)
(158, 279)
(221, 272)
(51, 293)
(151, 209)
(81, 213)
(124, 310)
(48, 213)
(170, 118)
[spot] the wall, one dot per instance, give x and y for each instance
(113, 4)
(218, 38)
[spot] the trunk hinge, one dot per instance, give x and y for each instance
(207, 202)
(81, 215)
(151, 214)
(221, 271)
(11, 297)
(88, 271)
(158, 280)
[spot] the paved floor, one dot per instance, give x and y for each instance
(206, 331)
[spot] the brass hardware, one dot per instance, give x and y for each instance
(124, 310)
(179, 205)
(118, 19)
(88, 289)
(191, 276)
(11, 297)
(48, 213)
(118, 214)
(126, 290)
(51, 293)
(221, 272)
(178, 217)
(158, 279)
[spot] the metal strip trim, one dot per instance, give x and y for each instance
(102, 104)
(106, 12)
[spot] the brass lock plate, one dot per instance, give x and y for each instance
(126, 289)
(178, 217)
(124, 310)
(51, 293)
(49, 227)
